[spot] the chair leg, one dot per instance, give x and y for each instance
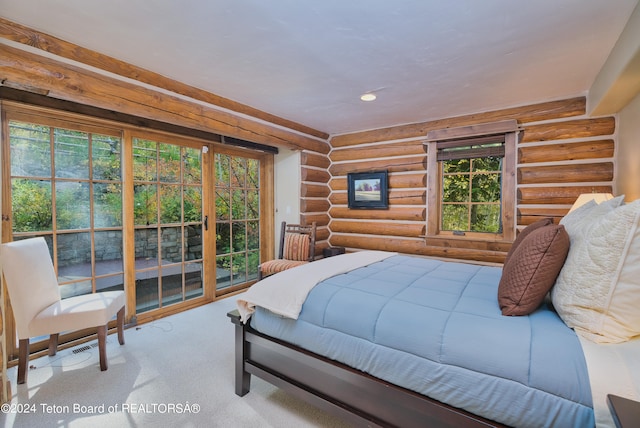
(102, 346)
(120, 321)
(23, 358)
(53, 344)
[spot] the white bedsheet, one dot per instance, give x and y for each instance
(614, 368)
(285, 292)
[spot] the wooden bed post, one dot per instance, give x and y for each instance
(243, 378)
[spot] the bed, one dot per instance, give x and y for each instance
(386, 339)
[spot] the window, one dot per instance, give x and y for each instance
(471, 182)
(66, 186)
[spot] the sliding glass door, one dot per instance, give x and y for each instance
(173, 221)
(168, 217)
(237, 220)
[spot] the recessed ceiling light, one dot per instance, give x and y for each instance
(368, 97)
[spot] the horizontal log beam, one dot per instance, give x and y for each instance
(71, 83)
(531, 113)
(314, 205)
(396, 197)
(527, 215)
(379, 151)
(322, 233)
(314, 175)
(478, 130)
(411, 230)
(407, 197)
(404, 181)
(566, 195)
(314, 190)
(320, 219)
(575, 173)
(30, 37)
(581, 128)
(401, 213)
(400, 164)
(468, 243)
(407, 181)
(549, 111)
(314, 159)
(566, 152)
(414, 247)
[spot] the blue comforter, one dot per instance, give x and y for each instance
(435, 327)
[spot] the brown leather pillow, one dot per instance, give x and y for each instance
(532, 270)
(523, 234)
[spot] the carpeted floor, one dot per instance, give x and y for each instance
(177, 371)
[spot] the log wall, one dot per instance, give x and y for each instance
(314, 193)
(561, 154)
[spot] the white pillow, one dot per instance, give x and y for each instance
(588, 212)
(597, 292)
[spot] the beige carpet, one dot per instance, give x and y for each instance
(173, 372)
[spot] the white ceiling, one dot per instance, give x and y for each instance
(310, 60)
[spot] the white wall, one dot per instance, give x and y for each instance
(628, 151)
(617, 83)
(616, 90)
(287, 189)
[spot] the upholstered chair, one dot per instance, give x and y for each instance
(38, 308)
(297, 247)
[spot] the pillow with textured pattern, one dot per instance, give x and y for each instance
(598, 290)
(532, 270)
(523, 234)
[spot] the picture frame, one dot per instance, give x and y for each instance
(368, 190)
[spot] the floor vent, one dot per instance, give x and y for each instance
(81, 349)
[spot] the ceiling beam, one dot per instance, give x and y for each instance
(53, 45)
(64, 81)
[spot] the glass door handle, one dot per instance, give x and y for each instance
(206, 222)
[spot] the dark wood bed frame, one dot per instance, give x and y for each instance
(352, 395)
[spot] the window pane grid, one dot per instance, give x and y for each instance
(54, 195)
(471, 194)
(168, 221)
(237, 220)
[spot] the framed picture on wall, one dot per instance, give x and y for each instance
(368, 190)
